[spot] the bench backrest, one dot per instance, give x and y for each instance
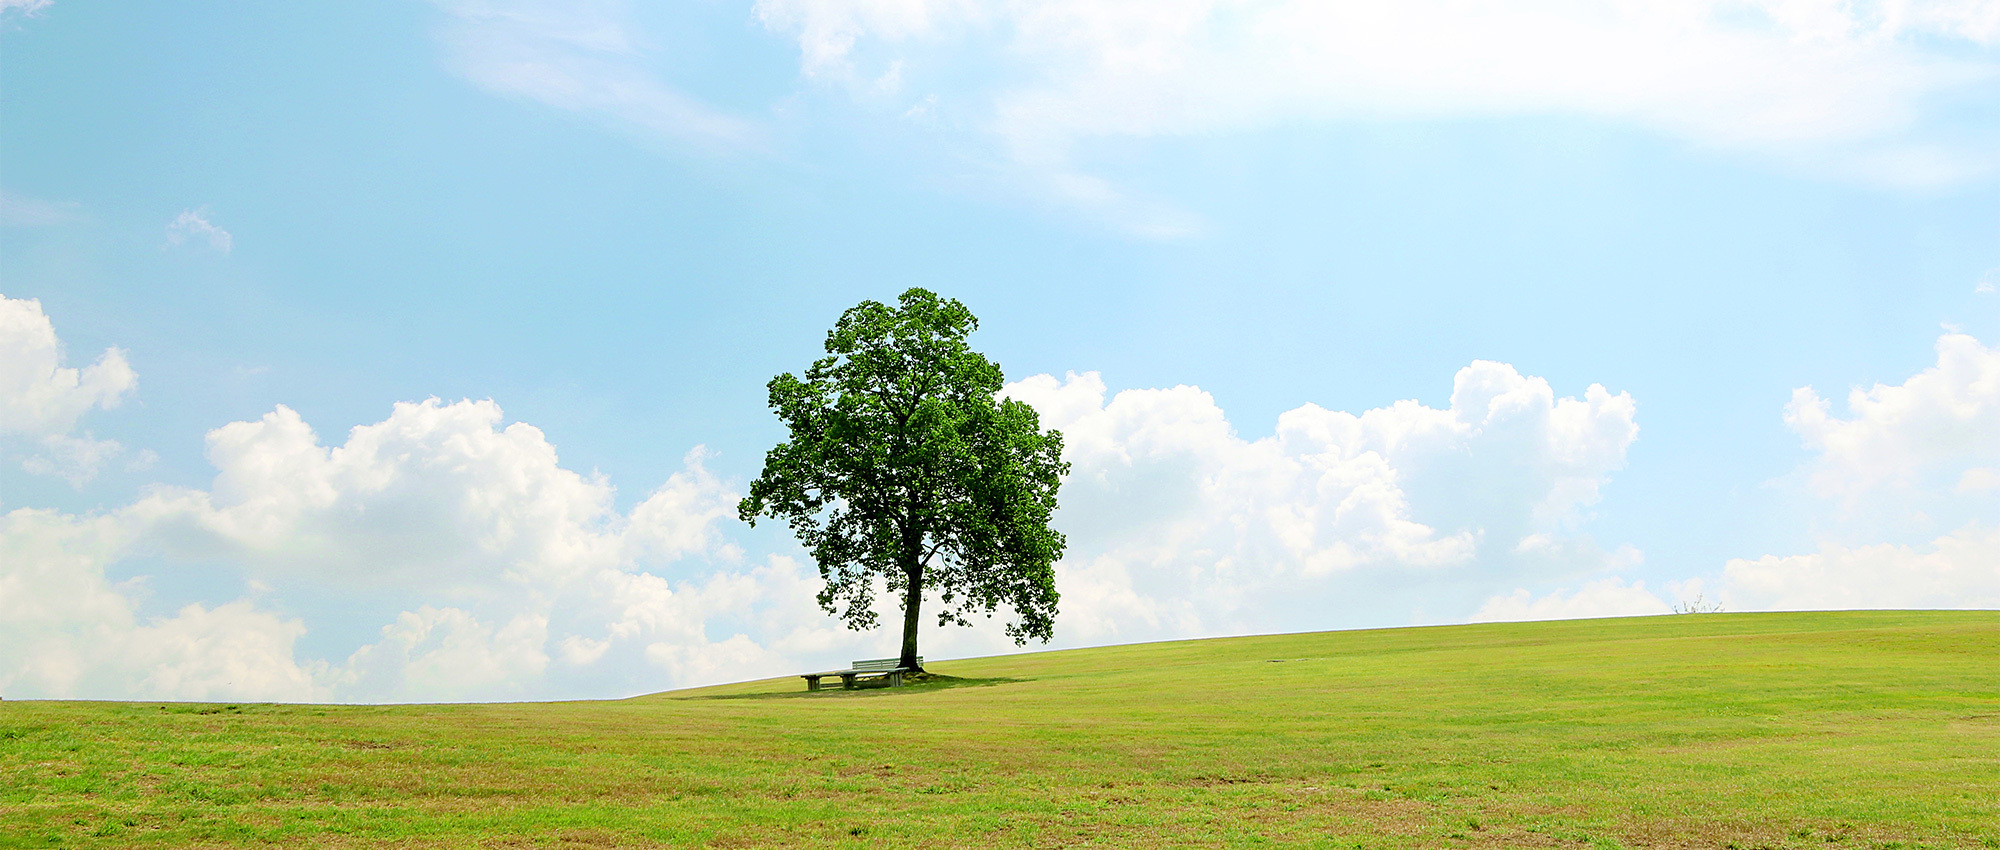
(882, 663)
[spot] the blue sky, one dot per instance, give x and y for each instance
(612, 223)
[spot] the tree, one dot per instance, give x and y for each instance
(905, 465)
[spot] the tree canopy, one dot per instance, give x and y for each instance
(905, 465)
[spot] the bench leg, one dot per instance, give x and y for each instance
(896, 679)
(847, 681)
(812, 683)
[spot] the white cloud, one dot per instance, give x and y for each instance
(52, 583)
(39, 396)
(443, 501)
(673, 621)
(828, 31)
(434, 496)
(1930, 428)
(1179, 527)
(1958, 570)
(1610, 597)
(194, 224)
(447, 653)
(1987, 282)
(735, 659)
(73, 459)
(679, 519)
(581, 651)
(1865, 89)
(1775, 71)
(581, 57)
(502, 555)
(512, 562)
(66, 631)
(1909, 457)
(41, 400)
(233, 651)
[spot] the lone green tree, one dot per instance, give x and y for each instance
(904, 465)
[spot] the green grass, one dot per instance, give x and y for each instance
(1840, 730)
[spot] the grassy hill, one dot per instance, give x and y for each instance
(1864, 729)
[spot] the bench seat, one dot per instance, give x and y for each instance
(875, 668)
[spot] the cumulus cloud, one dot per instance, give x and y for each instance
(1908, 458)
(434, 496)
(681, 625)
(737, 657)
(75, 459)
(1610, 597)
(1865, 89)
(513, 568)
(233, 651)
(65, 630)
(1958, 570)
(679, 519)
(1925, 432)
(518, 570)
(38, 395)
(1945, 415)
(446, 500)
(447, 653)
(41, 400)
(193, 225)
(1180, 527)
(583, 58)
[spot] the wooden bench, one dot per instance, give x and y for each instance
(876, 668)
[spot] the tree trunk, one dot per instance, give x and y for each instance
(913, 599)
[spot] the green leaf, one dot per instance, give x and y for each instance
(903, 465)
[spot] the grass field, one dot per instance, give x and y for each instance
(1864, 729)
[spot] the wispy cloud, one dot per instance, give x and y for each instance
(1764, 73)
(18, 211)
(582, 57)
(75, 459)
(194, 225)
(1891, 93)
(26, 8)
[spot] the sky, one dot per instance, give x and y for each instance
(406, 351)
